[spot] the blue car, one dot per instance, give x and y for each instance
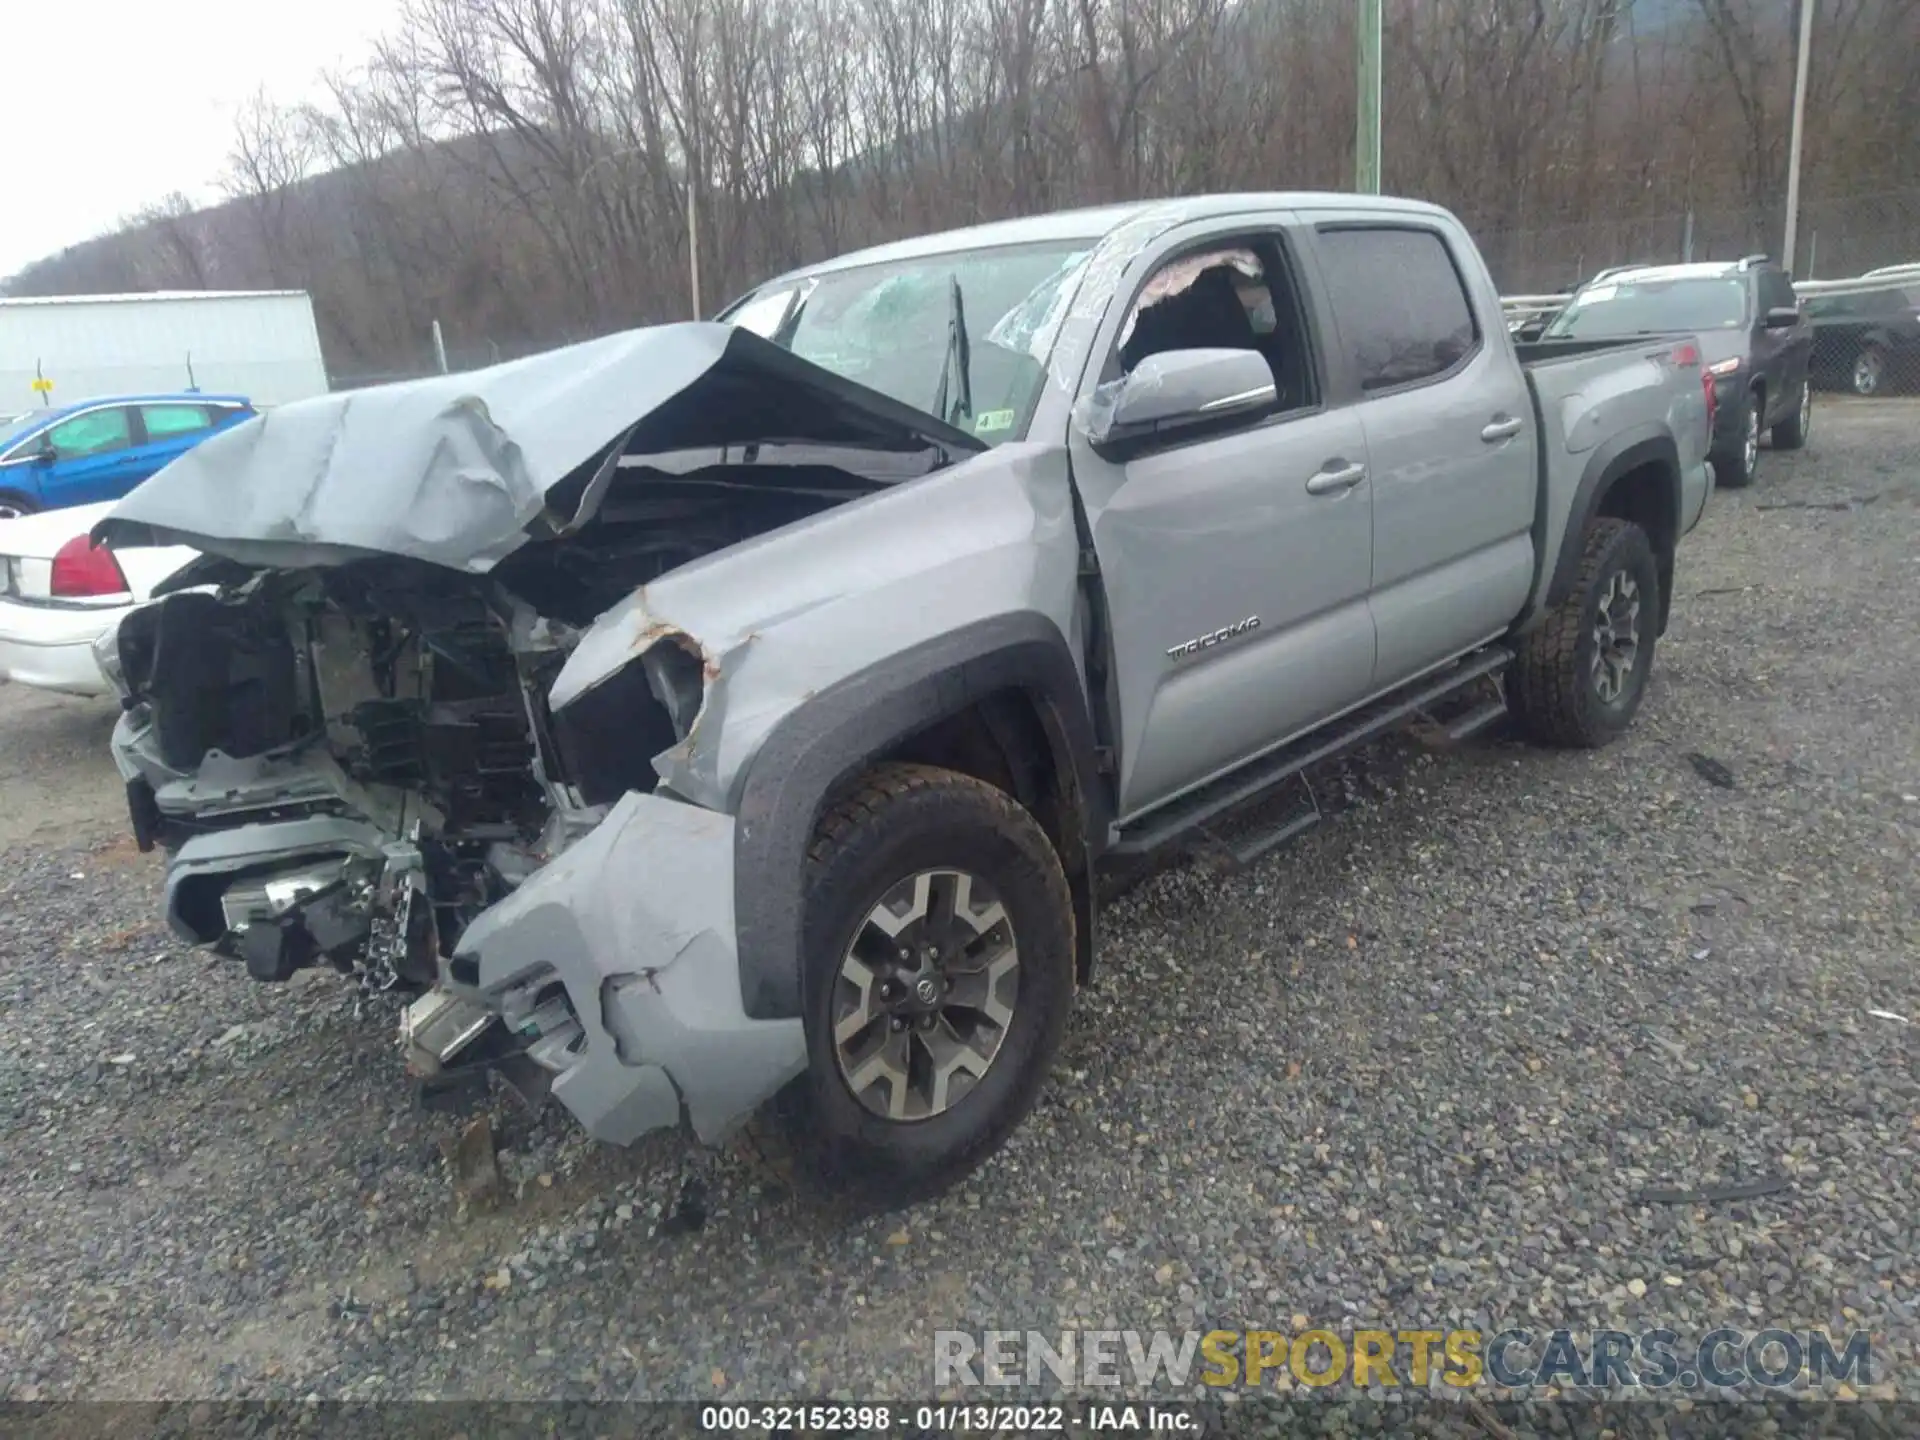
(100, 449)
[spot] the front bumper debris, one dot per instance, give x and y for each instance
(635, 921)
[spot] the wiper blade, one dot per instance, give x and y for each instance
(958, 362)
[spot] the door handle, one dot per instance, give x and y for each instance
(1333, 482)
(1502, 430)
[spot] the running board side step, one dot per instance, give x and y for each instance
(1236, 857)
(1256, 779)
(1487, 713)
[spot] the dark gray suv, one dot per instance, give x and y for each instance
(1756, 340)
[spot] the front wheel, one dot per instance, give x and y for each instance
(1581, 673)
(1734, 466)
(939, 973)
(1791, 433)
(13, 506)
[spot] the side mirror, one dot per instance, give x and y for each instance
(1176, 389)
(1783, 317)
(46, 454)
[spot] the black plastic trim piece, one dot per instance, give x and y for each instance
(1251, 781)
(1630, 450)
(836, 734)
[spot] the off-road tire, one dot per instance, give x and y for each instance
(1551, 690)
(896, 821)
(1791, 433)
(1733, 467)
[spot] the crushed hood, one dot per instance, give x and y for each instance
(461, 470)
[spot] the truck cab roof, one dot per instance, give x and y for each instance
(1096, 223)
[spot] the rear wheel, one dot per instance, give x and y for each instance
(1791, 433)
(1580, 674)
(938, 978)
(1870, 371)
(1734, 466)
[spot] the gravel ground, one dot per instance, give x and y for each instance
(1416, 1069)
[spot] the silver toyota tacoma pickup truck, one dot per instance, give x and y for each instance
(727, 721)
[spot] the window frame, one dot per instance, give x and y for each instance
(1349, 359)
(1264, 236)
(208, 420)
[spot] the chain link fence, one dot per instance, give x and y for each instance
(1867, 329)
(1856, 266)
(1839, 238)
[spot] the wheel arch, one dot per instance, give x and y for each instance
(1002, 695)
(28, 501)
(1634, 476)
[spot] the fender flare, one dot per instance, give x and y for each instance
(1630, 450)
(838, 732)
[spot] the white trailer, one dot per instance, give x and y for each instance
(259, 343)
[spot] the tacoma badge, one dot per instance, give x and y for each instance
(1218, 637)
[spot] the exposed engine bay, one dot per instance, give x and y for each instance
(381, 731)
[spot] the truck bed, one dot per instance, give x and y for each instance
(1534, 353)
(1587, 393)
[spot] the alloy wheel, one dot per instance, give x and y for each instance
(1867, 372)
(1753, 433)
(925, 995)
(1616, 637)
(1806, 408)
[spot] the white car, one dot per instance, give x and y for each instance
(59, 593)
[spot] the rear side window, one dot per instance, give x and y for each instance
(163, 422)
(1399, 302)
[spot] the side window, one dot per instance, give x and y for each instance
(1237, 296)
(163, 422)
(1401, 306)
(93, 433)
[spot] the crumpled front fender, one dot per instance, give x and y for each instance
(636, 921)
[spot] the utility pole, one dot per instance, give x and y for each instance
(1366, 130)
(693, 245)
(1799, 120)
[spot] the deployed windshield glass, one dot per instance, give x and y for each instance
(891, 328)
(1648, 307)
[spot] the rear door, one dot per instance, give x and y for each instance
(1234, 563)
(94, 458)
(168, 429)
(1450, 434)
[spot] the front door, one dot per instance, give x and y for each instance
(94, 458)
(1235, 563)
(167, 431)
(1780, 355)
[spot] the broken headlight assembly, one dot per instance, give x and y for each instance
(609, 735)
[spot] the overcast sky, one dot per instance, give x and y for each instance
(110, 105)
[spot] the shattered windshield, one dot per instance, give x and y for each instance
(890, 328)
